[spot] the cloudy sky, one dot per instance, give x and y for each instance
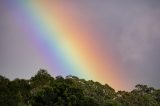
(130, 28)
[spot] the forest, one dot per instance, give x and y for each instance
(44, 90)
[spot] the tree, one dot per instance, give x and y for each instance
(8, 96)
(156, 96)
(44, 90)
(23, 88)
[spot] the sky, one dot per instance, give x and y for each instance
(110, 41)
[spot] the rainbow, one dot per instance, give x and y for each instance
(65, 45)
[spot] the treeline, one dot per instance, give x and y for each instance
(44, 90)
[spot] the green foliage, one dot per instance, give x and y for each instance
(44, 90)
(142, 95)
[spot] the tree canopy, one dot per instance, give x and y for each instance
(45, 90)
